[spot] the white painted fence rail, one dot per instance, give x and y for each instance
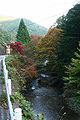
(17, 114)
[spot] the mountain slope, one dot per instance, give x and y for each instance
(12, 26)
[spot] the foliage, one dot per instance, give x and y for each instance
(4, 37)
(70, 24)
(47, 49)
(22, 33)
(40, 116)
(77, 100)
(28, 68)
(73, 72)
(3, 100)
(13, 63)
(22, 69)
(72, 78)
(17, 47)
(3, 96)
(25, 105)
(35, 39)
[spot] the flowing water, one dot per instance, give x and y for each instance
(50, 102)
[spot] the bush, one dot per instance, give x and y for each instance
(24, 105)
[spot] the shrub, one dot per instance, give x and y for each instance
(17, 47)
(25, 105)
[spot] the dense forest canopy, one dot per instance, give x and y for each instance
(60, 43)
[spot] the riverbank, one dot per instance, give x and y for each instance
(71, 99)
(73, 105)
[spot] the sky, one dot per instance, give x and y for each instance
(42, 12)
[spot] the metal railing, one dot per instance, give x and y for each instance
(16, 114)
(7, 89)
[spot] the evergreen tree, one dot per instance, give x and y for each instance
(70, 24)
(73, 72)
(22, 34)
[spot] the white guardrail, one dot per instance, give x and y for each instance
(17, 113)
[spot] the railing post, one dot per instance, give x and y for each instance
(18, 113)
(9, 86)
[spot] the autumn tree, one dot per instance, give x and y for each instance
(48, 50)
(22, 33)
(35, 38)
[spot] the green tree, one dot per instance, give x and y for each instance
(22, 34)
(70, 24)
(4, 37)
(73, 72)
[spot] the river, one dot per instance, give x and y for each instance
(50, 102)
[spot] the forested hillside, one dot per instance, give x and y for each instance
(12, 26)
